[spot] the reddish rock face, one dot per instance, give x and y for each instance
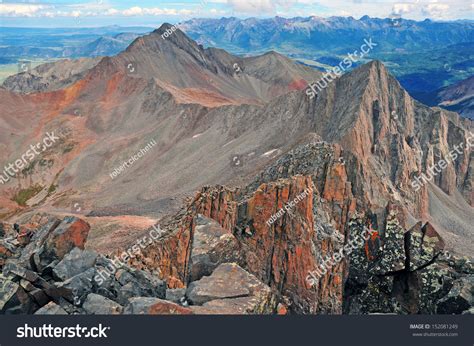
(273, 238)
(70, 233)
(170, 254)
(279, 253)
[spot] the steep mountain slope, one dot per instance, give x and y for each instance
(97, 109)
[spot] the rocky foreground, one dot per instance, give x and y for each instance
(46, 270)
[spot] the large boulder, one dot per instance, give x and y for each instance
(98, 305)
(212, 245)
(70, 233)
(138, 283)
(75, 262)
(229, 282)
(76, 289)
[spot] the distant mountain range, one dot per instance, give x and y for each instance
(424, 56)
(42, 43)
(337, 34)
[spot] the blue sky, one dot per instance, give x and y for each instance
(67, 13)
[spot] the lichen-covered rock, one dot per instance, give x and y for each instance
(460, 297)
(393, 249)
(409, 277)
(14, 299)
(424, 244)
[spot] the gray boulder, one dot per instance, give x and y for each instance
(98, 305)
(231, 290)
(75, 262)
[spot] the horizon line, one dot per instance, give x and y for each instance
(239, 18)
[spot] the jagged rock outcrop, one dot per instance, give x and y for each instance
(405, 272)
(279, 253)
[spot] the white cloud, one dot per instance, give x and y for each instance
(154, 11)
(402, 8)
(410, 9)
(21, 10)
(82, 10)
(133, 11)
(255, 6)
(435, 10)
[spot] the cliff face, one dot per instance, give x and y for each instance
(282, 250)
(280, 255)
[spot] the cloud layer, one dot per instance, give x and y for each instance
(414, 9)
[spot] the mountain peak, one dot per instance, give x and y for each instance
(167, 35)
(173, 34)
(167, 30)
(373, 67)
